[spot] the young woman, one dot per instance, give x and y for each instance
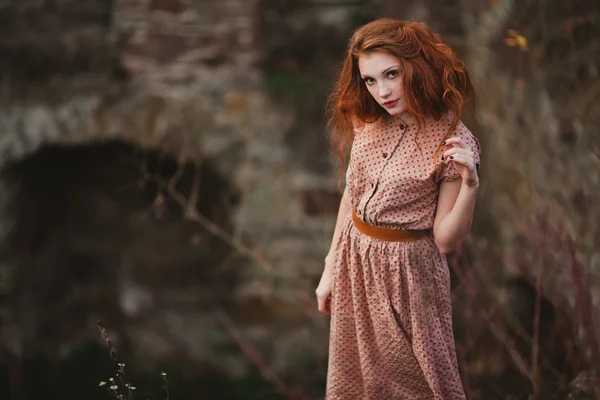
(411, 184)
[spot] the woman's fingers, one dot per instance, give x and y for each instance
(459, 153)
(456, 150)
(462, 159)
(456, 141)
(325, 305)
(465, 156)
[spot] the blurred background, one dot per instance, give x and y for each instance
(165, 171)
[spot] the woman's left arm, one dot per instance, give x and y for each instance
(456, 200)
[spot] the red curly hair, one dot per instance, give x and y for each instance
(435, 80)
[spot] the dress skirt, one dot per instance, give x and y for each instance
(391, 322)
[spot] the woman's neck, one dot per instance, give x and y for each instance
(407, 118)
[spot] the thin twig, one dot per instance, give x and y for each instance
(584, 307)
(266, 371)
(535, 349)
(104, 333)
(172, 183)
(193, 214)
(216, 230)
(516, 357)
(195, 192)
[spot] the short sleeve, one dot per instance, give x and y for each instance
(447, 172)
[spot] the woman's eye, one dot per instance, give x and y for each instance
(392, 74)
(369, 81)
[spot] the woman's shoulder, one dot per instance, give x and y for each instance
(464, 132)
(461, 130)
(361, 127)
(441, 127)
(358, 126)
(436, 131)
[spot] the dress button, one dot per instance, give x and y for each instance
(384, 154)
(402, 126)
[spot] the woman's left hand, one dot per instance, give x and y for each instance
(461, 155)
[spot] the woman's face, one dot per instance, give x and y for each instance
(380, 71)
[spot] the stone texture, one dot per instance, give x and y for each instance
(170, 6)
(39, 40)
(171, 44)
(194, 92)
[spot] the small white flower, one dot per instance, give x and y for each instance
(102, 383)
(163, 373)
(114, 387)
(111, 379)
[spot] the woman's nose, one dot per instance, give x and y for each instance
(384, 91)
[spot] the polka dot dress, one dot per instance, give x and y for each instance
(391, 320)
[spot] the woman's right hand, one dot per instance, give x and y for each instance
(323, 291)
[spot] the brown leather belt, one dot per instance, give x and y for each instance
(385, 234)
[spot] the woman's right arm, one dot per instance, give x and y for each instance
(324, 289)
(345, 209)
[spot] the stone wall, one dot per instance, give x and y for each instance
(180, 48)
(183, 79)
(43, 39)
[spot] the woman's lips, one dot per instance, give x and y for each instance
(390, 103)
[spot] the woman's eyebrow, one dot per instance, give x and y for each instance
(387, 69)
(382, 73)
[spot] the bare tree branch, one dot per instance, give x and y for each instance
(266, 371)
